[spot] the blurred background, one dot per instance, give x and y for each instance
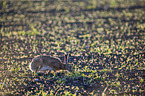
(105, 39)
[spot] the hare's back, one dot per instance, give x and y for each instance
(52, 61)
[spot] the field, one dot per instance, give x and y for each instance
(105, 40)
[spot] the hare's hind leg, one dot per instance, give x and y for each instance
(48, 72)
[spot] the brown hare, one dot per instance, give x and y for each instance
(45, 62)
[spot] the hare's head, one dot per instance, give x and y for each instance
(69, 67)
(36, 64)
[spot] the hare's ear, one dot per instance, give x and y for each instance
(66, 58)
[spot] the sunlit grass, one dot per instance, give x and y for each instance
(105, 40)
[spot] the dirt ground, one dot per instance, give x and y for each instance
(105, 40)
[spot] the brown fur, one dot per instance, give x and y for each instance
(48, 61)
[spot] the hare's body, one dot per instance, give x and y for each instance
(44, 63)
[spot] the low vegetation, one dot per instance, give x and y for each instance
(105, 39)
